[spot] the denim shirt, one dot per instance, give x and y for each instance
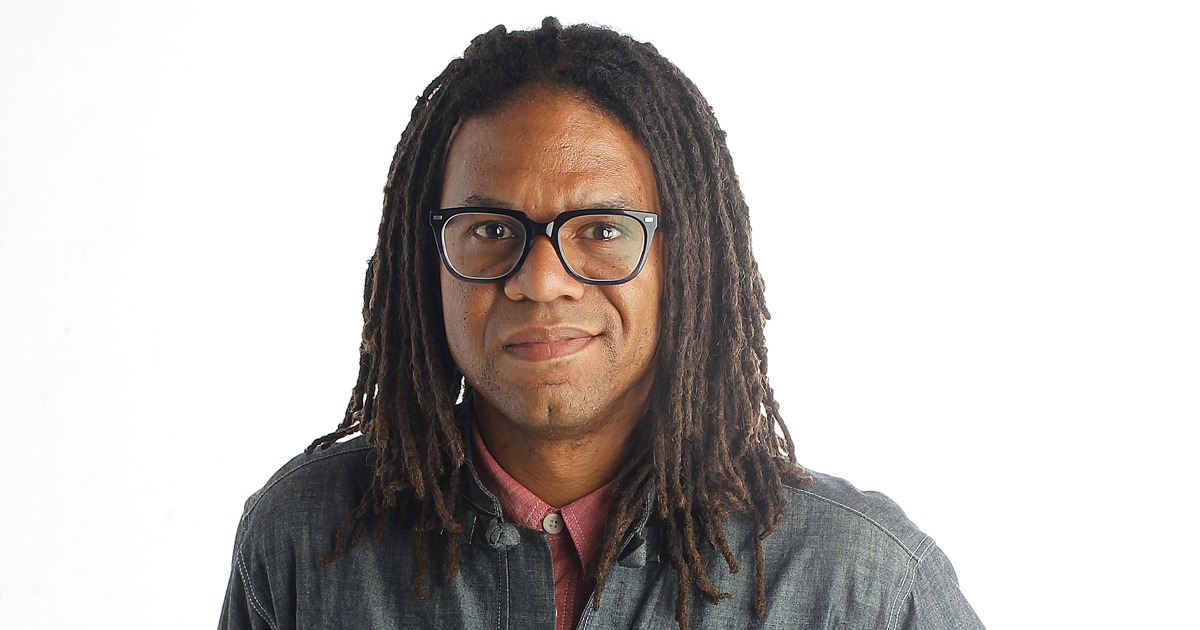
(841, 558)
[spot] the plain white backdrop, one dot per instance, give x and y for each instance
(978, 223)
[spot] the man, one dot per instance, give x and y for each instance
(565, 250)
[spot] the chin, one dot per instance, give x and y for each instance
(555, 413)
(548, 414)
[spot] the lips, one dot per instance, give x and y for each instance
(545, 344)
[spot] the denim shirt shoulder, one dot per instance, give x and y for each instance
(286, 527)
(857, 561)
(832, 503)
(342, 470)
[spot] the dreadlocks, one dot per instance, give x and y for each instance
(705, 451)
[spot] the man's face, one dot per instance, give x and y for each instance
(544, 351)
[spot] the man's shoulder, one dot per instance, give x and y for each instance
(833, 507)
(313, 488)
(860, 548)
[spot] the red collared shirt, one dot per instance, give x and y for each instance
(579, 527)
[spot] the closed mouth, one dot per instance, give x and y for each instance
(544, 344)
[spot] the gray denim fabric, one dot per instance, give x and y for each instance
(840, 559)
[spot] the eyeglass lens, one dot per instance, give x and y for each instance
(483, 245)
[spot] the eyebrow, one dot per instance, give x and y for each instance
(481, 201)
(614, 202)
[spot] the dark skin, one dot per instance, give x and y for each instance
(562, 369)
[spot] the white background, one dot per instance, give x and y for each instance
(978, 225)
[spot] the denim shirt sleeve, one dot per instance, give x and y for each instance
(936, 603)
(245, 607)
(247, 604)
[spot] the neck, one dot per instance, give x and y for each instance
(558, 468)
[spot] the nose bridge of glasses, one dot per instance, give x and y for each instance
(538, 228)
(534, 229)
(554, 252)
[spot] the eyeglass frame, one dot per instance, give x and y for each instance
(649, 221)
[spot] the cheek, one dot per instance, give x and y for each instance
(653, 295)
(451, 301)
(456, 305)
(639, 302)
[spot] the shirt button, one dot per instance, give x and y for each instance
(553, 523)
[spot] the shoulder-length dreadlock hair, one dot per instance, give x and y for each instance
(714, 441)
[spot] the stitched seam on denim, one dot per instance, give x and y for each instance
(262, 493)
(865, 517)
(906, 585)
(254, 601)
(937, 604)
(923, 548)
(504, 594)
(482, 509)
(585, 616)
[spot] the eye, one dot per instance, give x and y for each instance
(603, 231)
(493, 231)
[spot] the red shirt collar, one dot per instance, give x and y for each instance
(584, 518)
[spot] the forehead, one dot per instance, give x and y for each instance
(546, 151)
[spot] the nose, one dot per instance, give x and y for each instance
(542, 277)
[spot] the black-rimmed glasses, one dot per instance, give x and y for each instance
(595, 246)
